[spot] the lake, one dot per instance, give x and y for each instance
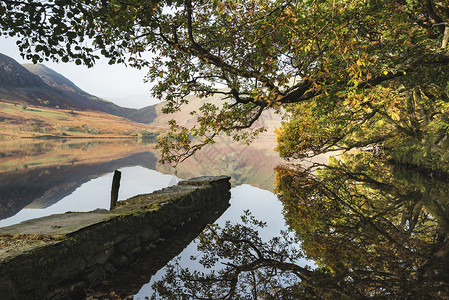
(44, 177)
(39, 178)
(367, 227)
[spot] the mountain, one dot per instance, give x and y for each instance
(41, 86)
(13, 76)
(145, 115)
(18, 85)
(269, 118)
(74, 93)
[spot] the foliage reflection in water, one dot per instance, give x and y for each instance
(263, 204)
(374, 230)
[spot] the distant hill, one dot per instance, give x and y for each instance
(74, 93)
(13, 76)
(144, 115)
(53, 78)
(38, 85)
(269, 119)
(18, 85)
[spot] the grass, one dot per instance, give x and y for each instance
(51, 114)
(22, 121)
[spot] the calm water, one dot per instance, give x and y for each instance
(380, 228)
(263, 204)
(43, 178)
(95, 194)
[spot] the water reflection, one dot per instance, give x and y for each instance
(375, 230)
(138, 278)
(245, 164)
(57, 176)
(95, 194)
(36, 174)
(263, 204)
(39, 174)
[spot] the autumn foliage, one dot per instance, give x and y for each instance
(347, 73)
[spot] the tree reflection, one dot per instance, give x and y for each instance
(251, 268)
(374, 230)
(379, 226)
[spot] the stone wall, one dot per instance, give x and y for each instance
(60, 256)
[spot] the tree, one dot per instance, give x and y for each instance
(349, 73)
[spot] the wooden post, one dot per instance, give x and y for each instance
(115, 187)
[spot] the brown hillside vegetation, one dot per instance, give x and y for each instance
(38, 85)
(269, 119)
(33, 121)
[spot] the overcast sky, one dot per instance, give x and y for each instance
(117, 83)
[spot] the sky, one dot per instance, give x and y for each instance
(119, 84)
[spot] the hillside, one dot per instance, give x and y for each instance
(40, 86)
(35, 121)
(39, 101)
(18, 85)
(74, 93)
(145, 115)
(12, 76)
(269, 119)
(70, 90)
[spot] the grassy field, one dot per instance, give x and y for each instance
(31, 121)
